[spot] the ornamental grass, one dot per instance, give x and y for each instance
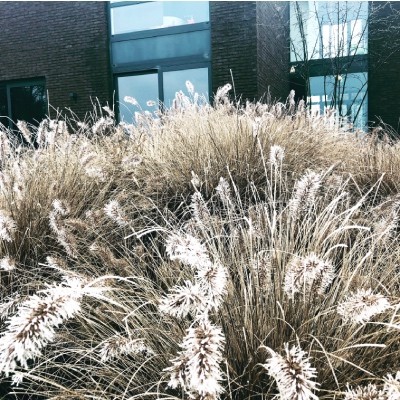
(233, 251)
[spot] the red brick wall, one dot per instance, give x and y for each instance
(64, 42)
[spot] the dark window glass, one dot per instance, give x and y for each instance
(157, 15)
(3, 106)
(28, 103)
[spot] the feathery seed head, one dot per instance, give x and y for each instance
(114, 211)
(96, 172)
(26, 133)
(294, 375)
(101, 126)
(307, 273)
(60, 207)
(200, 210)
(33, 327)
(305, 193)
(190, 87)
(57, 224)
(117, 346)
(108, 111)
(188, 250)
(392, 386)
(221, 97)
(301, 106)
(196, 182)
(18, 377)
(212, 281)
(132, 160)
(361, 306)
(87, 158)
(197, 368)
(9, 305)
(179, 373)
(131, 100)
(183, 300)
(224, 192)
(7, 227)
(369, 392)
(7, 263)
(276, 155)
(262, 268)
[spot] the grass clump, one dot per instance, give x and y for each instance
(232, 252)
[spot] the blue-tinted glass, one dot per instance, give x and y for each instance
(350, 92)
(142, 88)
(161, 47)
(331, 29)
(157, 15)
(176, 80)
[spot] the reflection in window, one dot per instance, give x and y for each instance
(176, 80)
(328, 29)
(22, 101)
(157, 15)
(3, 105)
(348, 95)
(143, 88)
(28, 103)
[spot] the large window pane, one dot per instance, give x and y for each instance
(28, 103)
(326, 29)
(143, 88)
(157, 15)
(176, 80)
(138, 51)
(348, 95)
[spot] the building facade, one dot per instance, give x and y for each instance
(71, 54)
(344, 55)
(54, 53)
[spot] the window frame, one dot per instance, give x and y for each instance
(360, 96)
(160, 71)
(198, 26)
(40, 81)
(320, 51)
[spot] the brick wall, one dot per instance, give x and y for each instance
(273, 49)
(64, 42)
(250, 38)
(234, 46)
(384, 64)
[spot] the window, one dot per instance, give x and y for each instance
(347, 94)
(327, 29)
(156, 15)
(151, 88)
(176, 80)
(22, 101)
(142, 88)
